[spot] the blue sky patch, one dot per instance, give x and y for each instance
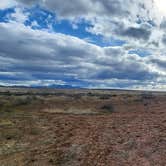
(46, 20)
(4, 14)
(140, 52)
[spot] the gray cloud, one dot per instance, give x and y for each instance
(124, 19)
(85, 7)
(161, 63)
(37, 53)
(163, 24)
(137, 33)
(29, 2)
(164, 39)
(75, 8)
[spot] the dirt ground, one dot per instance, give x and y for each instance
(82, 128)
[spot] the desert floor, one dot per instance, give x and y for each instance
(46, 127)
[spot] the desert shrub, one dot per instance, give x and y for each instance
(145, 104)
(18, 102)
(11, 133)
(104, 97)
(23, 100)
(108, 108)
(138, 100)
(6, 107)
(91, 94)
(77, 96)
(114, 95)
(34, 131)
(1, 104)
(7, 93)
(147, 96)
(128, 95)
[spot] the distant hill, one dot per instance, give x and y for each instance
(50, 86)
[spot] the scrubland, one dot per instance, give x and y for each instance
(47, 127)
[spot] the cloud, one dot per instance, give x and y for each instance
(137, 33)
(129, 20)
(159, 62)
(38, 54)
(19, 15)
(28, 54)
(7, 4)
(94, 7)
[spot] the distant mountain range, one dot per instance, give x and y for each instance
(50, 86)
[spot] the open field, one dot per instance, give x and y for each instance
(46, 127)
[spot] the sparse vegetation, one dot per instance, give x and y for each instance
(105, 97)
(56, 127)
(108, 108)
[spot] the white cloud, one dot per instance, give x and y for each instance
(131, 20)
(19, 15)
(42, 56)
(7, 4)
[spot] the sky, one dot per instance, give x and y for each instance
(117, 44)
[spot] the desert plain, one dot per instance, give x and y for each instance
(82, 127)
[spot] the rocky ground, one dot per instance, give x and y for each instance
(82, 128)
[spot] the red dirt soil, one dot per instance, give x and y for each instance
(132, 134)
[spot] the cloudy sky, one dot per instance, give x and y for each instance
(83, 43)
